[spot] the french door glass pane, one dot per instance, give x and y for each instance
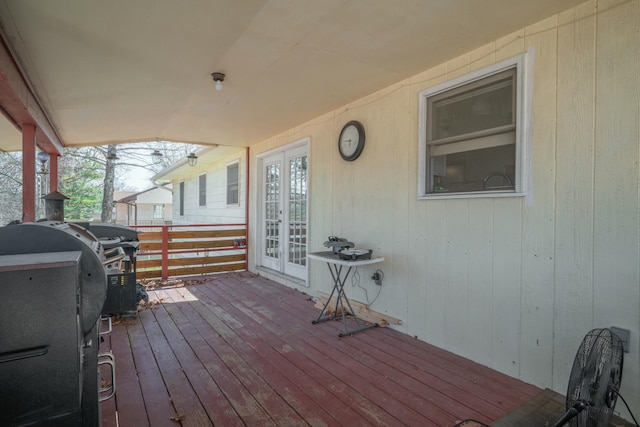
(297, 218)
(272, 210)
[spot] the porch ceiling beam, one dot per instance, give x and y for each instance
(19, 104)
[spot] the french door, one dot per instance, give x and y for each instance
(284, 212)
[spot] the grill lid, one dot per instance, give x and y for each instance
(52, 236)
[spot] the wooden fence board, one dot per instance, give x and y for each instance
(191, 271)
(164, 248)
(182, 261)
(150, 235)
(192, 244)
(199, 234)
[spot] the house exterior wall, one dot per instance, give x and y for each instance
(147, 201)
(216, 210)
(141, 211)
(157, 196)
(146, 213)
(513, 282)
(120, 215)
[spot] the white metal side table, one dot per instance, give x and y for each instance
(336, 264)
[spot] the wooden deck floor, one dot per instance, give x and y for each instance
(240, 350)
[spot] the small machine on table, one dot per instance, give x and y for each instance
(343, 254)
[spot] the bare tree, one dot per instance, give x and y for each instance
(119, 161)
(11, 187)
(109, 180)
(89, 175)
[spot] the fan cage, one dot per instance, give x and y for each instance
(595, 378)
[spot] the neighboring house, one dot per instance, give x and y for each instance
(120, 210)
(149, 207)
(213, 191)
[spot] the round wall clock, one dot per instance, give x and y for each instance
(351, 140)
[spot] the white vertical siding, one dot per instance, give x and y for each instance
(216, 210)
(616, 296)
(538, 221)
(574, 242)
(513, 283)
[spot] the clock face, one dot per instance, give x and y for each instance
(351, 141)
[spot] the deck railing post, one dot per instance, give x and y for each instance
(165, 252)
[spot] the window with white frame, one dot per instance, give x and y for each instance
(202, 190)
(471, 133)
(233, 183)
(158, 211)
(181, 196)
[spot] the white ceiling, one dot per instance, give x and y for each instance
(140, 70)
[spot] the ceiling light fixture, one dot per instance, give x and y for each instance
(192, 159)
(156, 156)
(218, 78)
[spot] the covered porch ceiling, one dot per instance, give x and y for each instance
(123, 71)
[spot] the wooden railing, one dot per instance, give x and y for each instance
(186, 250)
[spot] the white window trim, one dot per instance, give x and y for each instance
(205, 190)
(226, 183)
(524, 78)
(181, 190)
(161, 208)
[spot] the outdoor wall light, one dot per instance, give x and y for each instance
(192, 159)
(43, 157)
(218, 78)
(156, 156)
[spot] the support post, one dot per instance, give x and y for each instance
(165, 252)
(28, 172)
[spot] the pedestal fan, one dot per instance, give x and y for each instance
(594, 381)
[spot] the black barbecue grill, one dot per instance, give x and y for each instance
(121, 284)
(53, 286)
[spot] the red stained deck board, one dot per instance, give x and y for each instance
(253, 369)
(241, 400)
(470, 386)
(208, 395)
(509, 388)
(343, 358)
(457, 383)
(234, 350)
(439, 390)
(158, 403)
(326, 394)
(247, 344)
(408, 409)
(129, 401)
(286, 382)
(490, 385)
(351, 402)
(185, 399)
